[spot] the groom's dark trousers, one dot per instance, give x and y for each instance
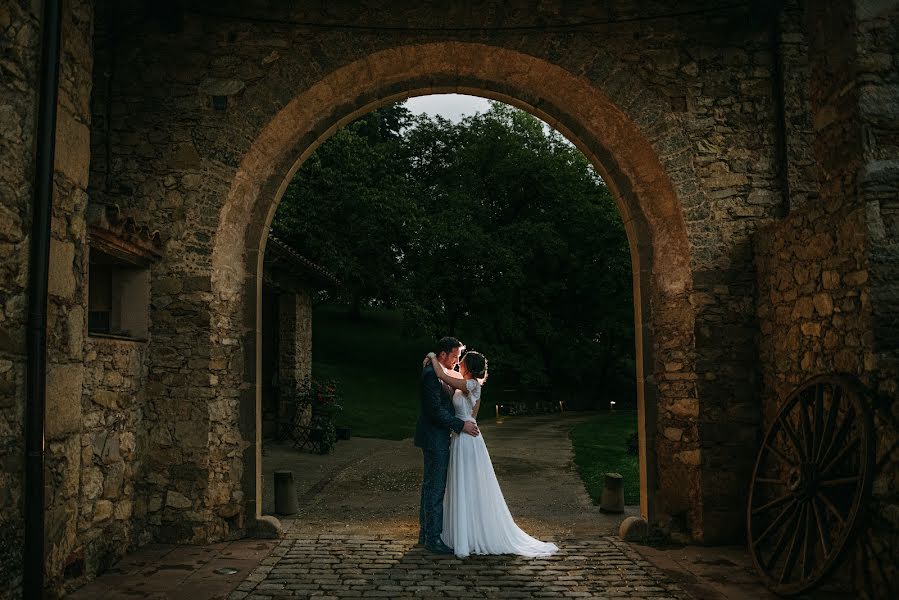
(432, 434)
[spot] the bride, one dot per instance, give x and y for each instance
(476, 519)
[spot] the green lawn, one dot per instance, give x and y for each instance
(377, 369)
(600, 446)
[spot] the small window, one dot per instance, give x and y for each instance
(118, 297)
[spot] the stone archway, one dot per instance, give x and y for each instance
(625, 149)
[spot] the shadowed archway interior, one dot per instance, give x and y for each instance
(610, 139)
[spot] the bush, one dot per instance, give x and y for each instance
(324, 399)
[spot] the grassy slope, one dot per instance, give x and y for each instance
(379, 384)
(378, 379)
(600, 447)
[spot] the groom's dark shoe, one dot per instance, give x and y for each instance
(438, 547)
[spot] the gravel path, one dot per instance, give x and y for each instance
(370, 486)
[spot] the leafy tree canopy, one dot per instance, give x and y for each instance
(495, 229)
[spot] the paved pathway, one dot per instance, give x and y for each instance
(169, 572)
(373, 486)
(355, 566)
(354, 537)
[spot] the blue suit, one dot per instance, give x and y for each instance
(432, 434)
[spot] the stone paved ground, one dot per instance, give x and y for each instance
(372, 486)
(354, 537)
(351, 566)
(355, 533)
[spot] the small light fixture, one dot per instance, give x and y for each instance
(612, 406)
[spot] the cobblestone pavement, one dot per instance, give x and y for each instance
(348, 566)
(355, 532)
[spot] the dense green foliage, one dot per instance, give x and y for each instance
(600, 447)
(377, 366)
(495, 229)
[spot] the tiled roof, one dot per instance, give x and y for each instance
(278, 251)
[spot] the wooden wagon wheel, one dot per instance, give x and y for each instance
(812, 478)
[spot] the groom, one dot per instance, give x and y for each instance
(432, 435)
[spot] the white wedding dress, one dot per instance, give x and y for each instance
(476, 519)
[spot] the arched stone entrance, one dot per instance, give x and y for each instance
(635, 151)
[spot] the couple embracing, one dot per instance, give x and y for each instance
(463, 510)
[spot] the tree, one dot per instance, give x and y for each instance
(349, 206)
(495, 229)
(540, 268)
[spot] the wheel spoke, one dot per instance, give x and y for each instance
(791, 434)
(839, 436)
(789, 560)
(837, 482)
(770, 481)
(808, 541)
(826, 501)
(773, 503)
(836, 459)
(778, 548)
(829, 424)
(782, 456)
(805, 428)
(820, 528)
(818, 411)
(774, 523)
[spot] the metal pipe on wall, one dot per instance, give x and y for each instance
(778, 95)
(38, 269)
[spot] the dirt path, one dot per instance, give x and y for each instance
(371, 486)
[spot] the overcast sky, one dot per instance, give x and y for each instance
(448, 106)
(451, 106)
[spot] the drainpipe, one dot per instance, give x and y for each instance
(36, 344)
(781, 150)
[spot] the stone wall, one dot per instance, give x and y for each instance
(19, 41)
(67, 322)
(814, 303)
(157, 441)
(66, 317)
(877, 78)
(295, 348)
(112, 441)
(827, 274)
(702, 99)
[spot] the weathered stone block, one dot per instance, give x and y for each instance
(688, 457)
(106, 398)
(684, 407)
(673, 433)
(63, 400)
(266, 527)
(102, 510)
(177, 500)
(61, 277)
(823, 304)
(633, 529)
(72, 155)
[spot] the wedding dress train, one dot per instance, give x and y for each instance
(476, 519)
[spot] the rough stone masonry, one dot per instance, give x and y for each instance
(753, 157)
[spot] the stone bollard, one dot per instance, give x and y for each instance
(285, 493)
(633, 529)
(612, 500)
